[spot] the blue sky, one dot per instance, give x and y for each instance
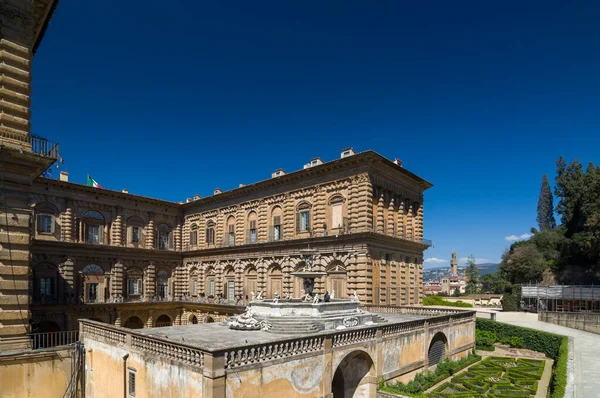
(479, 98)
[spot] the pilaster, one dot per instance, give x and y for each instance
(116, 287)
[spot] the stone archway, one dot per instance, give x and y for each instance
(163, 320)
(134, 322)
(437, 349)
(354, 377)
(193, 320)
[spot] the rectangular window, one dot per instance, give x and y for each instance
(131, 382)
(92, 292)
(211, 290)
(231, 235)
(276, 232)
(194, 238)
(337, 220)
(93, 235)
(210, 236)
(45, 223)
(133, 286)
(195, 287)
(163, 240)
(252, 234)
(46, 286)
(135, 234)
(304, 221)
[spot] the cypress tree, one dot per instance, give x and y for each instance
(545, 207)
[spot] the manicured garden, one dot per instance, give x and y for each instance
(439, 300)
(495, 377)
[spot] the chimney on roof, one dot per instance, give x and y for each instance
(314, 162)
(188, 200)
(64, 176)
(197, 197)
(277, 173)
(124, 190)
(180, 202)
(347, 152)
(242, 185)
(398, 162)
(217, 191)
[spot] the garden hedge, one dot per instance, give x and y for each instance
(552, 345)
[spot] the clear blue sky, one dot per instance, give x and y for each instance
(169, 99)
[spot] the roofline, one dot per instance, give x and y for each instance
(310, 171)
(42, 32)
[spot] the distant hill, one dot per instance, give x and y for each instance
(487, 268)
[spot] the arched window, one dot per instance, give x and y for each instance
(194, 235)
(252, 234)
(46, 220)
(93, 282)
(276, 229)
(230, 234)
(162, 284)
(165, 237)
(93, 223)
(303, 217)
(210, 232)
(336, 212)
(135, 231)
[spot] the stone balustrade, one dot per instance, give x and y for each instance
(166, 349)
(407, 327)
(408, 310)
(270, 351)
(355, 336)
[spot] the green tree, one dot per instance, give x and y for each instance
(545, 207)
(493, 283)
(472, 272)
(523, 263)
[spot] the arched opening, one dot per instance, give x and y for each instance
(336, 279)
(275, 280)
(209, 319)
(134, 322)
(135, 232)
(229, 283)
(252, 236)
(193, 282)
(298, 282)
(210, 282)
(336, 214)
(210, 232)
(250, 281)
(230, 232)
(46, 327)
(93, 280)
(437, 349)
(353, 377)
(163, 320)
(162, 284)
(164, 237)
(194, 235)
(193, 320)
(303, 219)
(93, 227)
(276, 228)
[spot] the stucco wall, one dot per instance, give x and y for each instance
(35, 374)
(576, 320)
(106, 371)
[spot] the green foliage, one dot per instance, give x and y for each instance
(472, 272)
(552, 345)
(422, 382)
(513, 341)
(558, 384)
(512, 298)
(523, 263)
(438, 300)
(545, 208)
(493, 283)
(485, 338)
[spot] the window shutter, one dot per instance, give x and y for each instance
(298, 226)
(139, 286)
(171, 240)
(308, 220)
(53, 223)
(39, 223)
(207, 235)
(253, 224)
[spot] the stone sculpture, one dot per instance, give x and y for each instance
(246, 321)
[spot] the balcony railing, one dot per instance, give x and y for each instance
(43, 147)
(53, 339)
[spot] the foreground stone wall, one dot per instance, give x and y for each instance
(33, 374)
(588, 322)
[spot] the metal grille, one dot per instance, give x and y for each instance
(437, 351)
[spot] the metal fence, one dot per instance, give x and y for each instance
(53, 339)
(562, 298)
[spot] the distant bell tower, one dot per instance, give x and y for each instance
(23, 157)
(454, 265)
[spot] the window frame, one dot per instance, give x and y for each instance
(131, 386)
(51, 219)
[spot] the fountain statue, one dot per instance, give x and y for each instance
(308, 275)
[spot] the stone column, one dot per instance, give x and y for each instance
(150, 234)
(150, 321)
(66, 226)
(364, 285)
(117, 230)
(410, 235)
(66, 270)
(289, 218)
(178, 236)
(150, 282)
(391, 227)
(401, 220)
(352, 205)
(319, 212)
(419, 223)
(365, 204)
(116, 287)
(380, 219)
(263, 221)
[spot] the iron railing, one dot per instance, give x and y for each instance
(43, 147)
(53, 339)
